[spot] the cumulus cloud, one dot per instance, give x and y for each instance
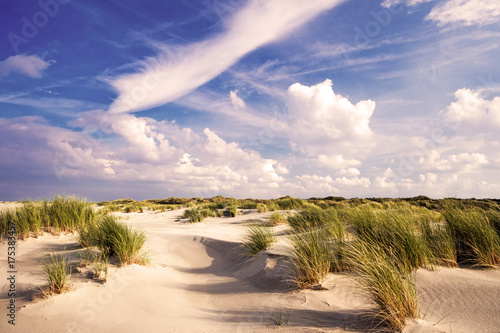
(466, 12)
(29, 65)
(202, 164)
(337, 161)
(473, 110)
(177, 71)
(328, 125)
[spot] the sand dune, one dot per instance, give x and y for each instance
(200, 282)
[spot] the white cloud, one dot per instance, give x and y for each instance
(472, 110)
(179, 70)
(350, 172)
(32, 66)
(392, 3)
(237, 102)
(324, 123)
(200, 164)
(337, 161)
(466, 12)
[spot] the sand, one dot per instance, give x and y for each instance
(199, 282)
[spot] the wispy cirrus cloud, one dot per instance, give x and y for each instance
(178, 71)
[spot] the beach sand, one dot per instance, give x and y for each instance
(199, 281)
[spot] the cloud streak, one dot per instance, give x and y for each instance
(177, 71)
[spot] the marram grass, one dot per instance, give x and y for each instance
(56, 273)
(258, 238)
(388, 284)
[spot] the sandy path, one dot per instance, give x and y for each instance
(198, 282)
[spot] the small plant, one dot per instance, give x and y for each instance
(277, 218)
(272, 206)
(232, 210)
(258, 238)
(115, 238)
(261, 208)
(100, 267)
(282, 318)
(56, 274)
(194, 215)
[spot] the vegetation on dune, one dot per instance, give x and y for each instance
(384, 242)
(381, 240)
(388, 284)
(474, 235)
(112, 237)
(60, 214)
(311, 258)
(56, 274)
(258, 238)
(277, 219)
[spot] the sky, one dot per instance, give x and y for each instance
(249, 98)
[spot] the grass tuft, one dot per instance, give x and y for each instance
(311, 258)
(387, 282)
(56, 273)
(258, 238)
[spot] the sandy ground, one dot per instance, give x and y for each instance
(200, 282)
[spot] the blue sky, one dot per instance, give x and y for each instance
(249, 98)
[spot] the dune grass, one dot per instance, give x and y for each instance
(311, 258)
(261, 208)
(56, 273)
(277, 219)
(388, 284)
(232, 210)
(112, 237)
(290, 203)
(439, 241)
(395, 231)
(60, 214)
(194, 215)
(258, 238)
(475, 237)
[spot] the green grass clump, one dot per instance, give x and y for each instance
(290, 203)
(438, 239)
(272, 206)
(277, 218)
(68, 214)
(261, 208)
(60, 214)
(395, 231)
(315, 217)
(100, 267)
(386, 282)
(311, 257)
(194, 215)
(115, 238)
(475, 237)
(258, 238)
(56, 273)
(232, 210)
